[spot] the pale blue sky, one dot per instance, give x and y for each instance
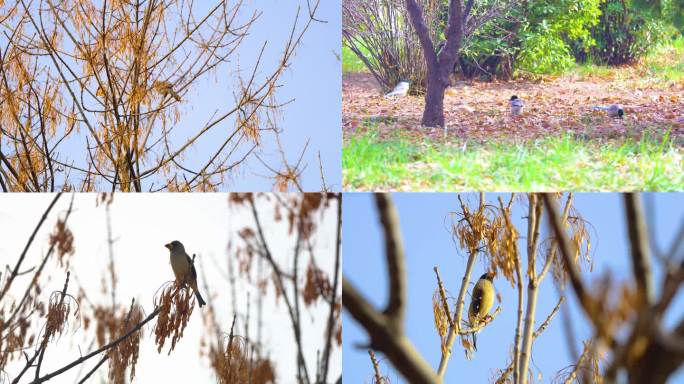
(313, 82)
(424, 225)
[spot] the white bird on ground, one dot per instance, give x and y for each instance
(613, 110)
(400, 90)
(516, 105)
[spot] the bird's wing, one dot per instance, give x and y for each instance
(475, 304)
(193, 271)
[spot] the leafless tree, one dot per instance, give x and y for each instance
(91, 94)
(299, 289)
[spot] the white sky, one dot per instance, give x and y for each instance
(141, 225)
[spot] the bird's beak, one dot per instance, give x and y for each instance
(168, 246)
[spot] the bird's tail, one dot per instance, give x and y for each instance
(475, 341)
(200, 300)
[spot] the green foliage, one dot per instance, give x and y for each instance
(665, 62)
(548, 25)
(532, 36)
(489, 50)
(662, 67)
(675, 10)
(669, 11)
(544, 53)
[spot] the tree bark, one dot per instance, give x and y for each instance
(433, 114)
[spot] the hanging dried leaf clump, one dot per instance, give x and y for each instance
(176, 304)
(64, 240)
(126, 353)
(234, 365)
(441, 319)
(503, 245)
(316, 284)
(58, 312)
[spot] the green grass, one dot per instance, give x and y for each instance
(665, 62)
(350, 62)
(589, 69)
(562, 163)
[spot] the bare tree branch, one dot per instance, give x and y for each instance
(386, 328)
(99, 350)
(394, 256)
(638, 235)
(383, 338)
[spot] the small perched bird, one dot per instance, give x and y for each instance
(165, 89)
(516, 105)
(613, 110)
(100, 92)
(400, 90)
(481, 301)
(183, 268)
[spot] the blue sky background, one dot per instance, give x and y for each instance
(312, 82)
(427, 240)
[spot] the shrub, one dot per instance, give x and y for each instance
(380, 34)
(532, 36)
(548, 27)
(624, 34)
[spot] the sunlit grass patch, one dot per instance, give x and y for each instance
(660, 67)
(667, 62)
(557, 163)
(350, 62)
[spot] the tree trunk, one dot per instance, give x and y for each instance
(433, 114)
(438, 65)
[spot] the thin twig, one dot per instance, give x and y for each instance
(455, 329)
(442, 295)
(376, 368)
(15, 270)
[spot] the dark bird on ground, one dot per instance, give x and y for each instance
(516, 105)
(613, 110)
